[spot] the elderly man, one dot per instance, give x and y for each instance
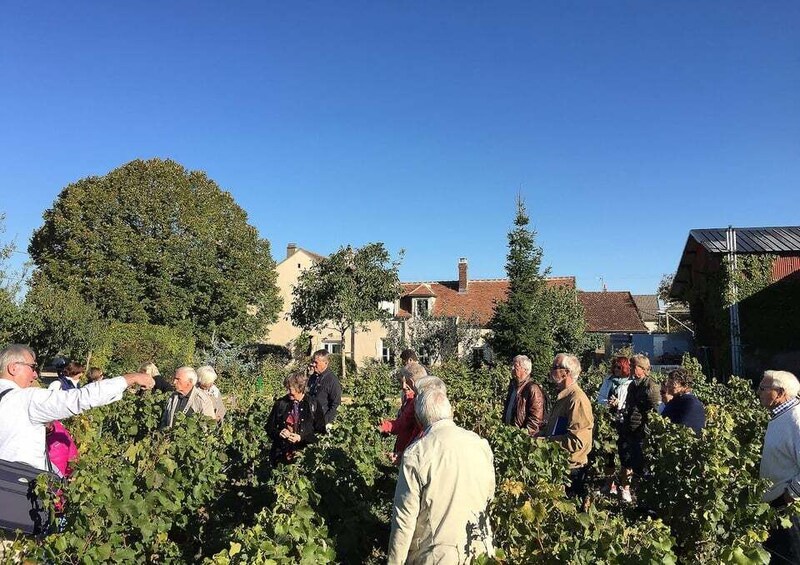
(445, 485)
(571, 420)
(780, 458)
(187, 398)
(25, 410)
(324, 386)
(524, 407)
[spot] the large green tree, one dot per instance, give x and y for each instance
(345, 290)
(154, 242)
(9, 286)
(59, 321)
(520, 325)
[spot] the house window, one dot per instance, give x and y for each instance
(421, 307)
(424, 357)
(333, 347)
(387, 355)
(477, 356)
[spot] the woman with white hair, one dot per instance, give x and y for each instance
(206, 377)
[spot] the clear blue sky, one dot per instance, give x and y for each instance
(623, 124)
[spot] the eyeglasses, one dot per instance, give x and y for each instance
(34, 366)
(764, 388)
(557, 367)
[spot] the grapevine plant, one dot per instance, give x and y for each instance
(203, 492)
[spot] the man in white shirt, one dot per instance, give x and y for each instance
(26, 409)
(780, 458)
(445, 485)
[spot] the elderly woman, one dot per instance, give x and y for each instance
(613, 393)
(294, 421)
(206, 376)
(641, 401)
(405, 426)
(684, 407)
(614, 389)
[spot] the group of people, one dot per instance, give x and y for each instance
(446, 475)
(631, 397)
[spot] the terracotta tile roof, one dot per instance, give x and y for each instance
(609, 312)
(647, 304)
(476, 303)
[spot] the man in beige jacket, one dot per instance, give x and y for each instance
(187, 398)
(571, 419)
(445, 485)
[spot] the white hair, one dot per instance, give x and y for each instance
(785, 380)
(429, 382)
(431, 406)
(525, 361)
(570, 363)
(190, 373)
(150, 369)
(206, 375)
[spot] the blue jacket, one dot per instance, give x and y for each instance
(325, 388)
(686, 409)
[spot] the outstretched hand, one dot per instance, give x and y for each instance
(142, 379)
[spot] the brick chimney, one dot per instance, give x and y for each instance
(291, 249)
(462, 275)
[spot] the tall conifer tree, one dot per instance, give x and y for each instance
(520, 324)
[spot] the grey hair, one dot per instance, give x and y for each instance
(206, 375)
(785, 380)
(191, 374)
(431, 406)
(429, 382)
(412, 373)
(571, 363)
(297, 381)
(13, 354)
(642, 361)
(525, 361)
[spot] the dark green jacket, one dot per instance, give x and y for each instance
(643, 397)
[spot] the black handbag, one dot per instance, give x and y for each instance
(20, 508)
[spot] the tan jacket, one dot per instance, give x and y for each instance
(199, 403)
(445, 485)
(570, 424)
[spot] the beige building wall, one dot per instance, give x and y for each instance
(367, 343)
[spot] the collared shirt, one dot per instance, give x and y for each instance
(183, 400)
(25, 411)
(781, 408)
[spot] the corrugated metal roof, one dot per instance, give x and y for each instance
(751, 240)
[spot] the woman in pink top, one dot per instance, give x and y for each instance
(61, 448)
